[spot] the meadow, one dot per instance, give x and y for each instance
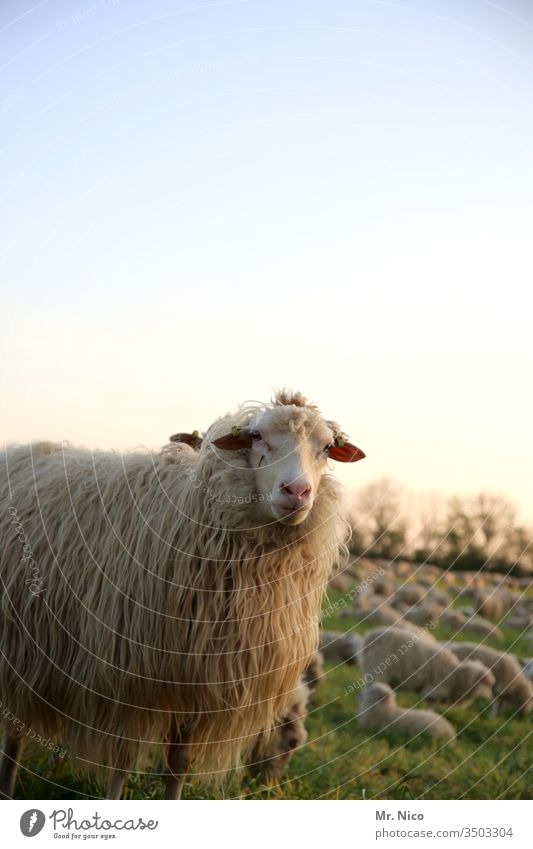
(491, 758)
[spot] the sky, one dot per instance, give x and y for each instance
(202, 201)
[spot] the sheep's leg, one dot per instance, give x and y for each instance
(178, 760)
(115, 785)
(494, 709)
(8, 767)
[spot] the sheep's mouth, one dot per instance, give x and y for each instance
(290, 515)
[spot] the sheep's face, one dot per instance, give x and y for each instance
(288, 448)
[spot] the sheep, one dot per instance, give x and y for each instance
(171, 596)
(512, 688)
(492, 603)
(410, 594)
(527, 668)
(381, 614)
(439, 597)
(481, 627)
(338, 647)
(382, 585)
(272, 751)
(453, 618)
(424, 613)
(406, 659)
(378, 710)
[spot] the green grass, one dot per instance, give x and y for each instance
(490, 759)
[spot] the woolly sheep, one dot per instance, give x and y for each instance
(512, 688)
(174, 596)
(407, 660)
(378, 710)
(424, 613)
(381, 614)
(481, 627)
(492, 603)
(410, 593)
(338, 647)
(453, 618)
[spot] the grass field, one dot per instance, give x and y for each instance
(491, 758)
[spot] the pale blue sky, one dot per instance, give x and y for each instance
(201, 201)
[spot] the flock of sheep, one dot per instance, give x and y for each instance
(408, 602)
(165, 607)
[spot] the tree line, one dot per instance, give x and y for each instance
(474, 532)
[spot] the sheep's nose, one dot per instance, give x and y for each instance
(296, 493)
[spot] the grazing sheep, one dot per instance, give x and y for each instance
(381, 614)
(173, 595)
(512, 688)
(439, 597)
(382, 585)
(410, 594)
(481, 627)
(492, 603)
(339, 647)
(424, 613)
(407, 660)
(378, 710)
(272, 751)
(453, 618)
(368, 599)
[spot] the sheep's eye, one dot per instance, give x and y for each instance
(255, 435)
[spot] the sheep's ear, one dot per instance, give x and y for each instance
(345, 452)
(238, 437)
(193, 439)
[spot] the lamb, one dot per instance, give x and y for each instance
(511, 689)
(378, 710)
(407, 660)
(171, 596)
(339, 647)
(272, 751)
